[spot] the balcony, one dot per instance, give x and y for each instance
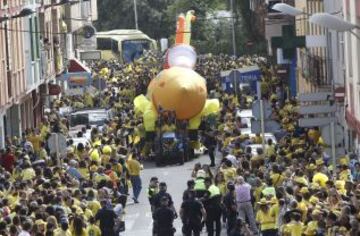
(314, 69)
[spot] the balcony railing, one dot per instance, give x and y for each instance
(314, 68)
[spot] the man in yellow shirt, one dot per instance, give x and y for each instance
(134, 168)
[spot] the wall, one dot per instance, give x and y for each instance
(352, 58)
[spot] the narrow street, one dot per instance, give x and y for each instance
(138, 216)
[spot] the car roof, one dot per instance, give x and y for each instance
(245, 113)
(89, 111)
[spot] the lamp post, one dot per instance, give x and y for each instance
(332, 22)
(136, 15)
(233, 27)
(287, 9)
(26, 11)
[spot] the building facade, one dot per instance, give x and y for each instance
(34, 47)
(351, 12)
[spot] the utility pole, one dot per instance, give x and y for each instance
(233, 27)
(136, 16)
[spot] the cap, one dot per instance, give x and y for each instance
(162, 184)
(200, 174)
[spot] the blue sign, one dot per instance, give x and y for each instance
(249, 75)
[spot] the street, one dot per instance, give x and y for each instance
(138, 216)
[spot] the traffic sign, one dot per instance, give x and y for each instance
(313, 122)
(315, 97)
(57, 143)
(270, 126)
(326, 134)
(317, 109)
(257, 112)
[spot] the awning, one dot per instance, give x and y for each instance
(76, 66)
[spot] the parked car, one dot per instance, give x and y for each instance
(88, 118)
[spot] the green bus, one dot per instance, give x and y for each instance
(125, 45)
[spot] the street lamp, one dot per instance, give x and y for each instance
(26, 11)
(332, 22)
(64, 2)
(287, 9)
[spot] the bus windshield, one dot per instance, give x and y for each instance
(133, 49)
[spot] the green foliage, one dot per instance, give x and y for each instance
(157, 18)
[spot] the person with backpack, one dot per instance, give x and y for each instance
(192, 213)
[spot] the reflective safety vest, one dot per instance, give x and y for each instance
(199, 184)
(214, 191)
(269, 191)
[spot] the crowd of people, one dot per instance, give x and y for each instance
(288, 188)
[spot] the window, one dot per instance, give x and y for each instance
(103, 43)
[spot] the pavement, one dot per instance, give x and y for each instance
(138, 218)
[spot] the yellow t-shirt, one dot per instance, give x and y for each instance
(345, 175)
(274, 211)
(134, 167)
(277, 179)
(35, 141)
(266, 220)
(84, 172)
(94, 206)
(302, 206)
(311, 228)
(28, 174)
(229, 173)
(60, 232)
(95, 156)
(296, 228)
(93, 230)
(320, 178)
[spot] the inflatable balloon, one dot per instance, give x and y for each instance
(182, 55)
(180, 29)
(180, 90)
(190, 17)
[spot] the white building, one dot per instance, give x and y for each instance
(351, 13)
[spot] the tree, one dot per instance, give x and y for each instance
(119, 14)
(157, 18)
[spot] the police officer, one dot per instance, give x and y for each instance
(200, 187)
(192, 215)
(163, 219)
(212, 204)
(162, 193)
(153, 189)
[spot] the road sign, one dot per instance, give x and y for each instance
(270, 126)
(315, 97)
(313, 122)
(90, 55)
(256, 109)
(326, 134)
(317, 109)
(57, 143)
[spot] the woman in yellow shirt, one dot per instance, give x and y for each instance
(266, 219)
(78, 227)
